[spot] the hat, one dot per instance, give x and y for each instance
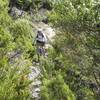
(40, 30)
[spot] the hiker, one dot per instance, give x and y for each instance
(41, 38)
(40, 41)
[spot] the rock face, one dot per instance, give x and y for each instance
(35, 86)
(15, 12)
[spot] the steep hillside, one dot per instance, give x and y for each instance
(71, 69)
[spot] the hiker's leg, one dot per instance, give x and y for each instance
(43, 51)
(38, 52)
(43, 48)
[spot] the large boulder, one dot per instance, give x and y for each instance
(15, 12)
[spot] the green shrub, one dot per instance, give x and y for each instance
(14, 35)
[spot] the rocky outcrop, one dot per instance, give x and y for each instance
(16, 13)
(35, 86)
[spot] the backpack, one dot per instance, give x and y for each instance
(40, 37)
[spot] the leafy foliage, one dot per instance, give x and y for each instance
(54, 86)
(79, 45)
(14, 83)
(77, 15)
(72, 69)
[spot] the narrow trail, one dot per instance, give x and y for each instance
(49, 31)
(35, 70)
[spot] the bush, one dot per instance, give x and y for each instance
(14, 36)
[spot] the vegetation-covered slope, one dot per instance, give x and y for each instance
(78, 44)
(15, 41)
(72, 69)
